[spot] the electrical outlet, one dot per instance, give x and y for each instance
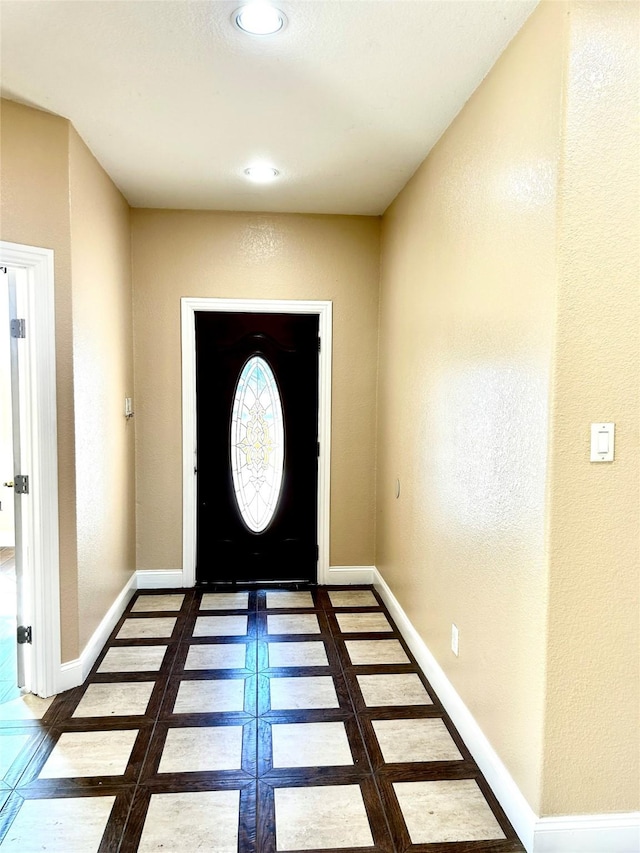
(454, 639)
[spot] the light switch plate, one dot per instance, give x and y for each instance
(602, 442)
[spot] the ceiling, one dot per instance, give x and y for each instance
(175, 102)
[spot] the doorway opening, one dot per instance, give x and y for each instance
(10, 681)
(33, 483)
(254, 334)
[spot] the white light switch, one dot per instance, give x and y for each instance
(602, 437)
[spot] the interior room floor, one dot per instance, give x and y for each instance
(246, 722)
(8, 660)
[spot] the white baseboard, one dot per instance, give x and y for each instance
(517, 809)
(101, 634)
(73, 673)
(70, 676)
(160, 578)
(350, 575)
(613, 833)
(174, 578)
(610, 833)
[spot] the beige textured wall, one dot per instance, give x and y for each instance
(55, 195)
(103, 376)
(466, 342)
(34, 194)
(592, 747)
(280, 256)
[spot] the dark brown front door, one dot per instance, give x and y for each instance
(257, 458)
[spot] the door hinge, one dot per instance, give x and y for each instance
(24, 634)
(21, 484)
(18, 329)
(318, 448)
(317, 553)
(319, 344)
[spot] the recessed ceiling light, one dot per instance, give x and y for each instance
(259, 18)
(261, 174)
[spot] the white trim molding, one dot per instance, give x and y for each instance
(102, 633)
(39, 447)
(350, 575)
(70, 675)
(189, 307)
(160, 579)
(73, 673)
(608, 833)
(613, 833)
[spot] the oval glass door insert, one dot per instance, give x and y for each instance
(257, 444)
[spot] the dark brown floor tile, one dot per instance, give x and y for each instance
(281, 693)
(207, 730)
(175, 799)
(85, 750)
(344, 810)
(202, 751)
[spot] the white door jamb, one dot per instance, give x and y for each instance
(38, 428)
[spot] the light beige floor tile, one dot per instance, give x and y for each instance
(207, 697)
(306, 692)
(443, 811)
(415, 740)
(281, 598)
(376, 652)
(25, 707)
(293, 623)
(10, 748)
(202, 748)
(217, 656)
(194, 820)
(133, 659)
(362, 622)
(220, 626)
(310, 745)
(353, 598)
(138, 628)
(298, 654)
(117, 699)
(151, 603)
(321, 817)
(65, 825)
(393, 689)
(225, 601)
(89, 754)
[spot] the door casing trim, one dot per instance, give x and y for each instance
(189, 306)
(39, 446)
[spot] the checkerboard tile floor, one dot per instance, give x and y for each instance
(246, 722)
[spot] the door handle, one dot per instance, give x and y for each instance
(10, 484)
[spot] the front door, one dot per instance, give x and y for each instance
(257, 447)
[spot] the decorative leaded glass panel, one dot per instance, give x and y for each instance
(257, 444)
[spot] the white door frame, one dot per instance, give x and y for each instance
(38, 430)
(189, 448)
